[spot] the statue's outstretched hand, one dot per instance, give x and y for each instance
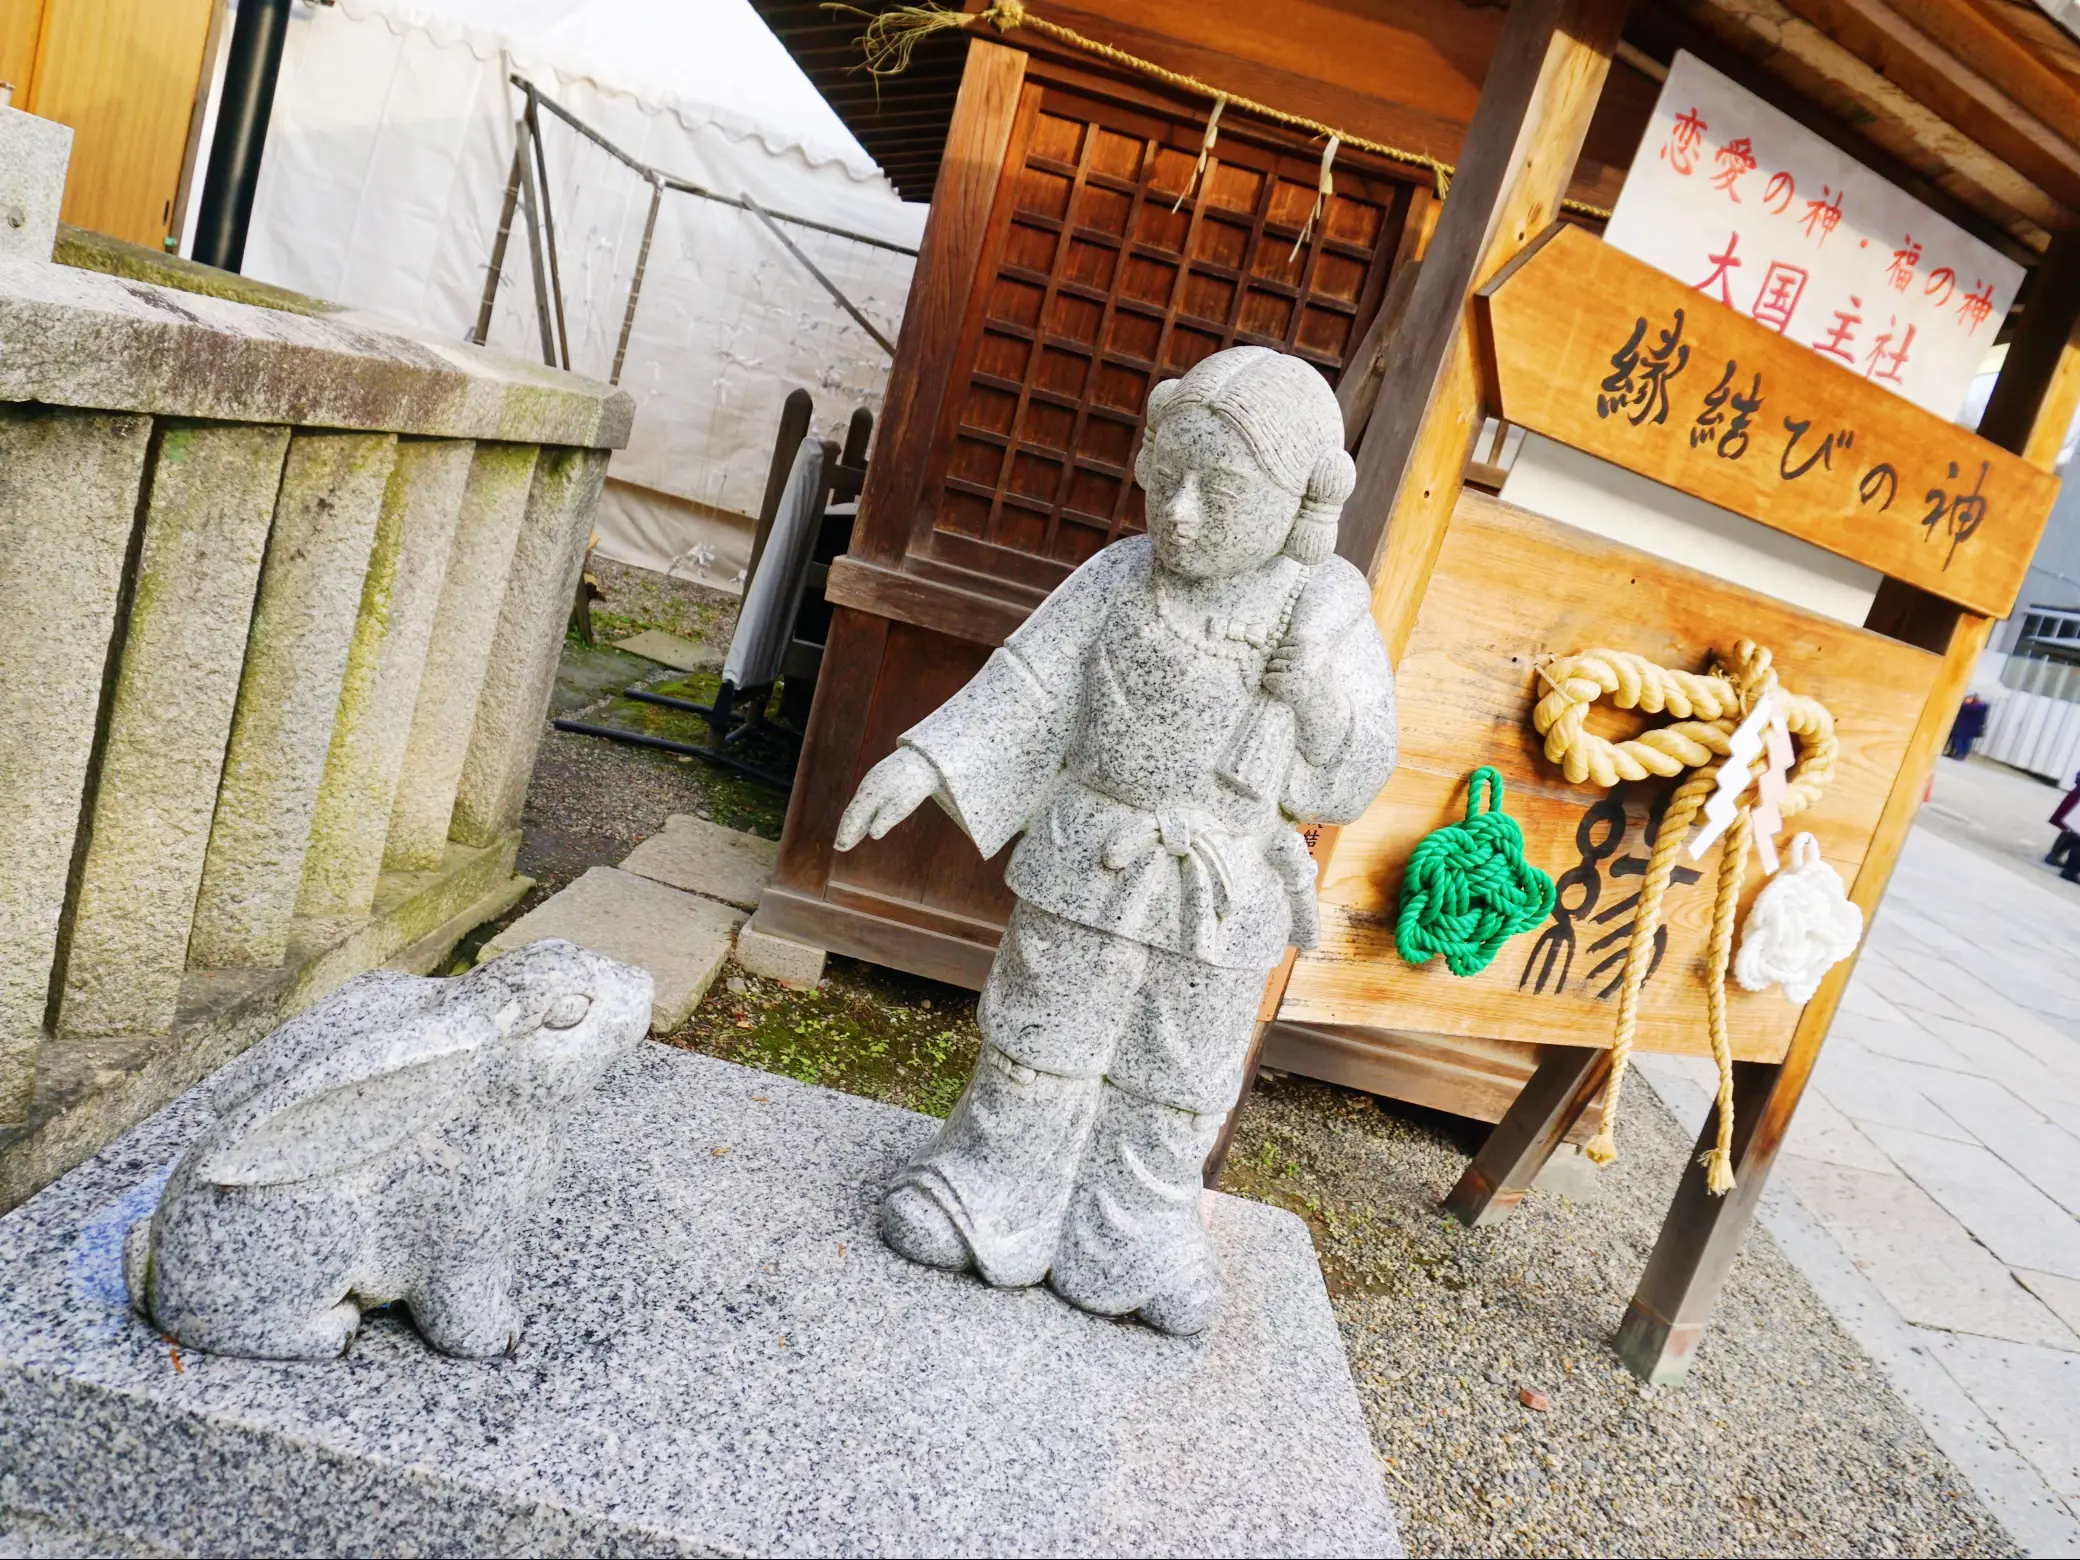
(891, 792)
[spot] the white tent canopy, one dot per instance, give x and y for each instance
(386, 167)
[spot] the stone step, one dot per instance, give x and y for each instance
(680, 938)
(682, 655)
(705, 858)
(717, 1356)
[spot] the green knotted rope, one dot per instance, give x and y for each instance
(1469, 889)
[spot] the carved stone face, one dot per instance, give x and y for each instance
(1212, 508)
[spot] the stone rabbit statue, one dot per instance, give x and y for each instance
(389, 1144)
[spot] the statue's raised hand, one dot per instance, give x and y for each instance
(893, 790)
(1298, 677)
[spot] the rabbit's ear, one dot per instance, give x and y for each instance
(291, 1133)
(380, 1002)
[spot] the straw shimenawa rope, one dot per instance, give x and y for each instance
(892, 36)
(1707, 709)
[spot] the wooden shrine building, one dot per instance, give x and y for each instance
(1076, 255)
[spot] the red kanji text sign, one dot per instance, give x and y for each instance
(1603, 352)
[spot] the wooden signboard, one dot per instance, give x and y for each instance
(1510, 589)
(1603, 352)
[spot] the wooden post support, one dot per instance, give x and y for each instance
(1422, 408)
(1535, 106)
(1567, 1079)
(2032, 406)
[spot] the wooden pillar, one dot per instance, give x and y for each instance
(2032, 406)
(1542, 87)
(1567, 1079)
(1422, 406)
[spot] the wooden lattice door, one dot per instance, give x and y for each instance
(1090, 265)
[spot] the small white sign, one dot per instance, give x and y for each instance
(1756, 211)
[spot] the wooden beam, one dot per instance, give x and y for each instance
(1662, 30)
(1541, 90)
(1981, 44)
(1568, 1078)
(1357, 392)
(1939, 80)
(947, 259)
(1812, 63)
(2038, 390)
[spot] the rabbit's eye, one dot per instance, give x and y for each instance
(567, 1010)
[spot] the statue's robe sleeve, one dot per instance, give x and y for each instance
(1337, 782)
(999, 743)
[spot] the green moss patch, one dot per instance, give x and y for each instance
(866, 1030)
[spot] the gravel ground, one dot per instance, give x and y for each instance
(632, 599)
(592, 801)
(1786, 1439)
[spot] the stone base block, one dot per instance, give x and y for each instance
(680, 938)
(705, 858)
(783, 959)
(34, 154)
(718, 1356)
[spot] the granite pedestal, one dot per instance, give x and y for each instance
(719, 1357)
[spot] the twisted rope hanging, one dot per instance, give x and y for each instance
(1468, 888)
(1708, 708)
(892, 36)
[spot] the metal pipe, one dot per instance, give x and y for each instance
(635, 286)
(669, 701)
(534, 250)
(828, 285)
(541, 164)
(498, 246)
(684, 187)
(250, 72)
(644, 739)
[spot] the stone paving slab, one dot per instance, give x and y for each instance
(2030, 1393)
(1924, 1262)
(1935, 1161)
(682, 655)
(705, 858)
(718, 1356)
(680, 938)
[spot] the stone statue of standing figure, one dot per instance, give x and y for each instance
(1154, 731)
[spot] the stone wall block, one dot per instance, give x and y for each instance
(212, 497)
(521, 674)
(68, 505)
(34, 154)
(310, 595)
(415, 533)
(494, 505)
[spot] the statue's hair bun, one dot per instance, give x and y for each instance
(1313, 536)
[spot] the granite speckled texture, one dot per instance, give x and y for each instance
(1151, 735)
(68, 488)
(389, 1145)
(718, 1356)
(34, 156)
